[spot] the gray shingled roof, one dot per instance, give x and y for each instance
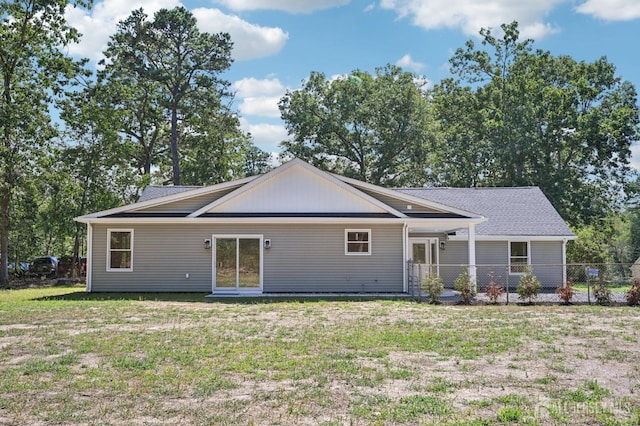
(151, 191)
(523, 211)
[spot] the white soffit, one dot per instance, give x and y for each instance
(297, 190)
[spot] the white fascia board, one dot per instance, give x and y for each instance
(514, 237)
(275, 172)
(406, 197)
(239, 220)
(441, 225)
(166, 199)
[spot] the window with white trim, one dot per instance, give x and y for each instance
(357, 241)
(518, 256)
(120, 250)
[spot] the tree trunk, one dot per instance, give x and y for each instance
(174, 145)
(4, 235)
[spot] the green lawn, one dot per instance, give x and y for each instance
(71, 358)
(614, 287)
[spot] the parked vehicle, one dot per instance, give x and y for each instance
(66, 264)
(44, 266)
(19, 269)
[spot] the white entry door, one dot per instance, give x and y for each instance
(424, 254)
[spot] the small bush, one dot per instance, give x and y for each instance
(493, 289)
(566, 292)
(433, 286)
(529, 286)
(602, 293)
(633, 295)
(465, 286)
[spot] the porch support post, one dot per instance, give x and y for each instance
(405, 257)
(472, 253)
(89, 277)
(564, 263)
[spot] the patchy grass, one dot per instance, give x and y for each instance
(67, 357)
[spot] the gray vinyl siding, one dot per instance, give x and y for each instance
(302, 258)
(546, 259)
(189, 205)
(452, 257)
(493, 257)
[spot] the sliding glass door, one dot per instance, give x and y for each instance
(237, 262)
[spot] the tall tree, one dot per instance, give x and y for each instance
(530, 118)
(172, 52)
(133, 107)
(373, 127)
(33, 70)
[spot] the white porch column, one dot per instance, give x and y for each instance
(564, 263)
(405, 257)
(472, 253)
(89, 277)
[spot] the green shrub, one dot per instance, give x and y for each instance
(633, 295)
(529, 286)
(466, 286)
(433, 286)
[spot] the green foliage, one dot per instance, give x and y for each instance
(181, 66)
(509, 414)
(529, 286)
(378, 130)
(465, 286)
(634, 229)
(34, 70)
(527, 117)
(432, 284)
(633, 295)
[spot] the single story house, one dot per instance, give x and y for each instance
(297, 229)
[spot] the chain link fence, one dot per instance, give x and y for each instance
(583, 276)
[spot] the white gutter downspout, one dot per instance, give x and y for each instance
(564, 262)
(89, 256)
(472, 253)
(405, 242)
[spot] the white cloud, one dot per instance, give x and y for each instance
(259, 97)
(250, 41)
(265, 136)
(254, 87)
(291, 6)
(99, 23)
(611, 10)
(263, 106)
(471, 15)
(407, 62)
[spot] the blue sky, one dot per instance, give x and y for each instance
(279, 42)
